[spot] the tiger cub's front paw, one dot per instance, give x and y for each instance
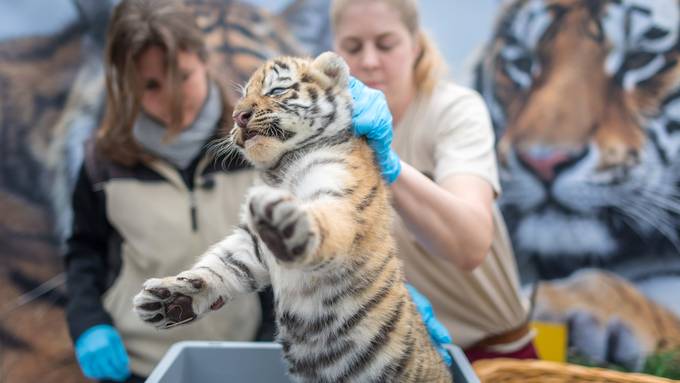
(281, 223)
(172, 301)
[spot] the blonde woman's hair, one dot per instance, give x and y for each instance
(430, 66)
(135, 26)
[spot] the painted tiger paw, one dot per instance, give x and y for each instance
(610, 341)
(609, 321)
(282, 224)
(172, 301)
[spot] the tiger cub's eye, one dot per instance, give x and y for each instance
(278, 91)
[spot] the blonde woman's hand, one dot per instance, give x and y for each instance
(371, 118)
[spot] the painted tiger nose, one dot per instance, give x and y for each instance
(242, 118)
(546, 163)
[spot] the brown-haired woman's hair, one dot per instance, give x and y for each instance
(135, 26)
(429, 67)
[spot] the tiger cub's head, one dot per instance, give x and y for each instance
(292, 103)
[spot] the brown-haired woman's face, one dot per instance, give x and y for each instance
(378, 48)
(157, 93)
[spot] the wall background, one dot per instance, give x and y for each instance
(458, 26)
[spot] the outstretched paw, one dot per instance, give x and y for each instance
(172, 301)
(282, 224)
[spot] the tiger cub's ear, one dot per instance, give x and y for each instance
(332, 66)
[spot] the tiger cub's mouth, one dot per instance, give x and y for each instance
(271, 131)
(244, 134)
(249, 133)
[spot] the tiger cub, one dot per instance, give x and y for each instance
(318, 231)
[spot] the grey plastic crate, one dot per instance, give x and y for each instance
(250, 362)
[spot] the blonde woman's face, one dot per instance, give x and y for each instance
(379, 50)
(156, 92)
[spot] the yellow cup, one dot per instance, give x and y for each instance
(550, 341)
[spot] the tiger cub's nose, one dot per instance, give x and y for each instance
(241, 118)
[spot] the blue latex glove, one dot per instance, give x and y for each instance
(438, 333)
(101, 354)
(371, 117)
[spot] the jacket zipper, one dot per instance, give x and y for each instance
(193, 211)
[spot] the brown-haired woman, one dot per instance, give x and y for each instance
(149, 197)
(450, 235)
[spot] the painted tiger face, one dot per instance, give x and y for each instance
(290, 103)
(585, 99)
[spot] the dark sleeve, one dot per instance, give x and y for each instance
(267, 330)
(86, 259)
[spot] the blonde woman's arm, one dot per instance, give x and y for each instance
(451, 220)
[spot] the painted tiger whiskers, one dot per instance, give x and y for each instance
(317, 231)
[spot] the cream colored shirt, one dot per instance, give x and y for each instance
(445, 134)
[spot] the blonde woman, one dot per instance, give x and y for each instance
(442, 169)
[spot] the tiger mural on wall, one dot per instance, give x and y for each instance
(585, 100)
(51, 99)
(35, 76)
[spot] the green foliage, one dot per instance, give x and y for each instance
(663, 364)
